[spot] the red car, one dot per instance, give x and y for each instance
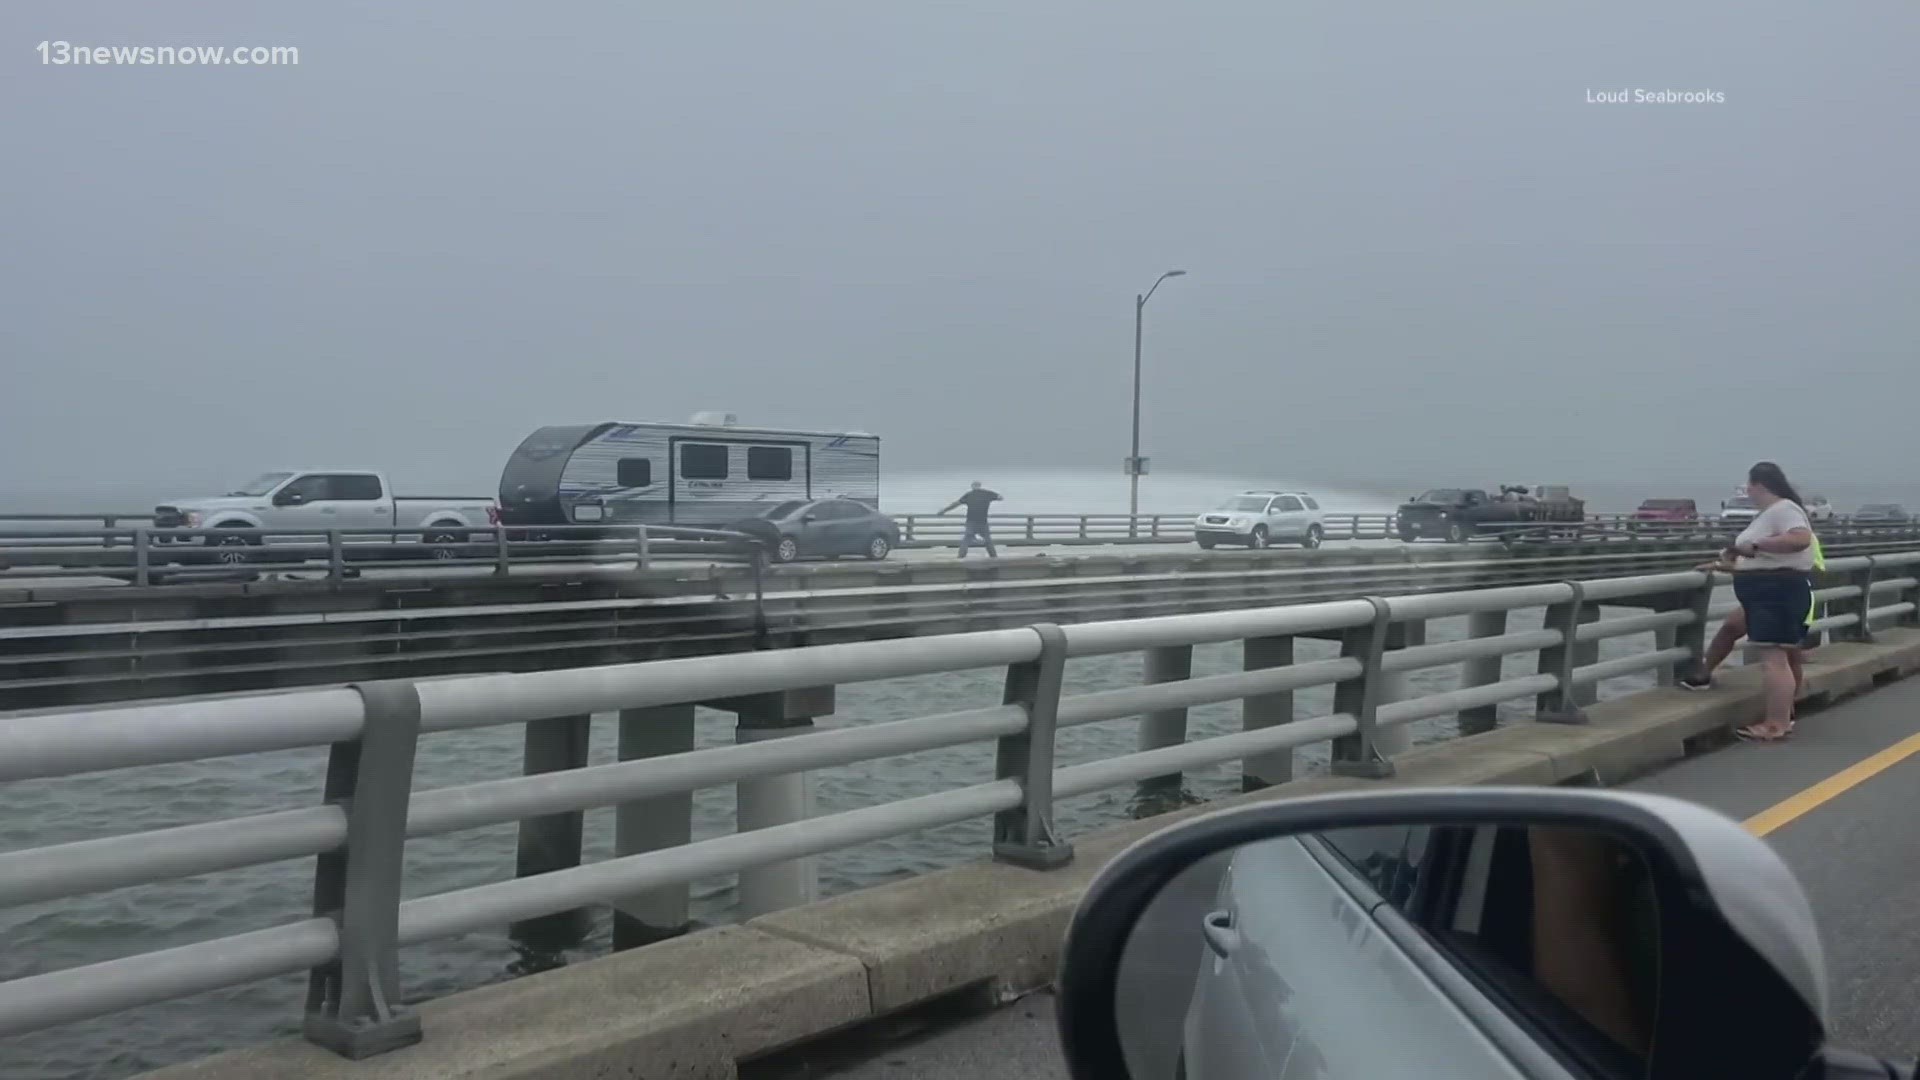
(1666, 510)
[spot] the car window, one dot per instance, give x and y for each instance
(355, 487)
(1287, 503)
(311, 488)
(1311, 504)
(1388, 857)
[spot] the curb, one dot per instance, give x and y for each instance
(696, 1006)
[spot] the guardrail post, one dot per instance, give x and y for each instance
(1155, 534)
(640, 547)
(353, 1003)
(1164, 727)
(142, 555)
(1083, 526)
(1265, 711)
(1911, 595)
(1857, 605)
(1359, 754)
(1561, 705)
(653, 825)
(336, 557)
(1026, 835)
(552, 841)
(1029, 526)
(501, 565)
(776, 800)
(906, 528)
(1482, 671)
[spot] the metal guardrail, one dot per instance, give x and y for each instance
(144, 555)
(357, 835)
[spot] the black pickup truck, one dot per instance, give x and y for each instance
(1459, 514)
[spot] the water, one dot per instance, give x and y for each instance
(61, 934)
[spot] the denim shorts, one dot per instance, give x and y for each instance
(1776, 603)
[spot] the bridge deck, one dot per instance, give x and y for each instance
(1849, 840)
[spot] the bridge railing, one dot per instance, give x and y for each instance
(369, 809)
(147, 556)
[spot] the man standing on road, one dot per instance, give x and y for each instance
(976, 500)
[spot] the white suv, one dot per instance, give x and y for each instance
(1819, 509)
(1257, 519)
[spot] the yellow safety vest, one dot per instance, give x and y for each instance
(1819, 564)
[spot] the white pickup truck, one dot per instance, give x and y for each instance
(297, 506)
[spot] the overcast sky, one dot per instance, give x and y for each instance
(1417, 254)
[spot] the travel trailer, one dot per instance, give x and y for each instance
(705, 473)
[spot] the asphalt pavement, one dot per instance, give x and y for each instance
(1836, 802)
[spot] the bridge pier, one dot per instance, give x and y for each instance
(1266, 710)
(1482, 671)
(552, 841)
(1164, 727)
(776, 800)
(653, 825)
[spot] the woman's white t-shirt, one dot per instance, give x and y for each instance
(1776, 520)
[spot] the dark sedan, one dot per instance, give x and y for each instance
(829, 527)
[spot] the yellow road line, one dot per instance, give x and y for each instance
(1785, 811)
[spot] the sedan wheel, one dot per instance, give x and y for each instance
(787, 550)
(878, 548)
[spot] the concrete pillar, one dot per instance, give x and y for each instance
(1584, 654)
(552, 841)
(1165, 727)
(1397, 686)
(1266, 710)
(1665, 637)
(776, 800)
(653, 825)
(1483, 671)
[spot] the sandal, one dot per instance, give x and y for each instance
(1752, 733)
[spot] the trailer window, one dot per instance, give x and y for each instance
(703, 461)
(634, 472)
(769, 463)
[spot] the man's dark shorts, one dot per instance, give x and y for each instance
(1776, 603)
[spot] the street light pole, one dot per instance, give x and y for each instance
(1133, 459)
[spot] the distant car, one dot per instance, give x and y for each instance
(1257, 519)
(1882, 514)
(1738, 510)
(1819, 509)
(1667, 510)
(826, 527)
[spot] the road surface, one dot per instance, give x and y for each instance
(1838, 803)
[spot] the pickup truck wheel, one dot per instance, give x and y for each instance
(1457, 532)
(443, 544)
(233, 549)
(1258, 540)
(1313, 538)
(1407, 535)
(1205, 545)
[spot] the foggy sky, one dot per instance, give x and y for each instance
(1417, 256)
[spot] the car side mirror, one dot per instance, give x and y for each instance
(289, 498)
(1496, 931)
(808, 519)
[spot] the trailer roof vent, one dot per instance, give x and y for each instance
(714, 419)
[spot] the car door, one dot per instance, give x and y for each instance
(1305, 932)
(302, 503)
(814, 532)
(1290, 516)
(360, 501)
(847, 528)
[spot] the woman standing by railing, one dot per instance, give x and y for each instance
(1772, 563)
